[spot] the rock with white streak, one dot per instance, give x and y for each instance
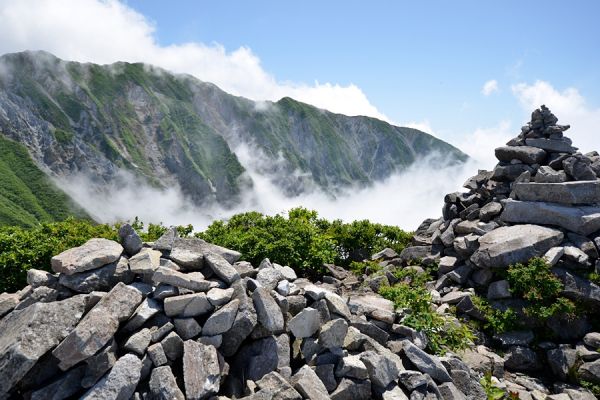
(201, 372)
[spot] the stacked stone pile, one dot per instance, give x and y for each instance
(541, 200)
(182, 318)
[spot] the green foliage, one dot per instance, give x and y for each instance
(412, 295)
(63, 136)
(27, 195)
(155, 231)
(535, 283)
(23, 249)
(497, 321)
(492, 391)
(364, 267)
(592, 387)
(302, 240)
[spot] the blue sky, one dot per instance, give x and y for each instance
(415, 61)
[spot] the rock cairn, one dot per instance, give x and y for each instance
(541, 200)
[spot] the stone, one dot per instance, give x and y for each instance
(40, 294)
(514, 244)
(269, 313)
(221, 267)
(333, 333)
(187, 305)
(218, 297)
(465, 246)
(592, 340)
(584, 192)
(575, 258)
(308, 384)
(326, 375)
(382, 370)
(450, 392)
(499, 290)
(521, 358)
(162, 331)
(98, 364)
(95, 253)
(244, 324)
(163, 385)
(581, 219)
(447, 264)
(510, 172)
(37, 278)
(193, 281)
(426, 363)
(138, 342)
(187, 328)
(8, 301)
(393, 392)
(454, 297)
(489, 211)
(257, 358)
(222, 320)
(305, 323)
(526, 154)
(287, 272)
(351, 367)
(143, 313)
(460, 274)
(561, 361)
(370, 330)
(201, 372)
(551, 145)
(65, 387)
(350, 389)
(546, 174)
(161, 292)
(578, 288)
(190, 252)
(130, 240)
(515, 338)
(268, 278)
(120, 382)
(584, 244)
(337, 305)
(553, 255)
(99, 325)
(283, 287)
(166, 241)
(579, 167)
(101, 279)
(26, 335)
(278, 387)
(145, 262)
(157, 355)
(172, 346)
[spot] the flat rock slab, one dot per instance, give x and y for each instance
(187, 305)
(189, 252)
(99, 326)
(26, 335)
(583, 220)
(526, 154)
(552, 145)
(95, 253)
(580, 192)
(513, 244)
(201, 372)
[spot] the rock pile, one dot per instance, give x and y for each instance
(541, 200)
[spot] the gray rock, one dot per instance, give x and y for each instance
(287, 272)
(98, 364)
(592, 340)
(65, 387)
(172, 346)
(575, 257)
(326, 375)
(351, 367)
(130, 240)
(187, 328)
(163, 385)
(8, 301)
(546, 174)
(161, 292)
(166, 241)
(551, 145)
(553, 255)
(277, 387)
(579, 167)
(245, 269)
(222, 320)
(461, 274)
(221, 267)
(337, 305)
(268, 278)
(499, 290)
(157, 355)
(145, 262)
(201, 372)
(489, 211)
(37, 278)
(426, 363)
(218, 297)
(584, 244)
(245, 322)
(370, 329)
(308, 384)
(40, 294)
(95, 253)
(515, 338)
(382, 370)
(162, 331)
(269, 313)
(143, 313)
(578, 288)
(510, 172)
(465, 246)
(27, 335)
(582, 219)
(193, 281)
(333, 333)
(526, 154)
(138, 342)
(190, 252)
(513, 244)
(99, 325)
(187, 305)
(121, 381)
(585, 192)
(101, 279)
(561, 361)
(454, 297)
(350, 389)
(257, 358)
(521, 358)
(450, 392)
(305, 323)
(590, 371)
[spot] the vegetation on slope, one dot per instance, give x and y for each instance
(27, 195)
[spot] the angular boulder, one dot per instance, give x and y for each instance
(201, 372)
(121, 381)
(95, 253)
(583, 192)
(526, 154)
(514, 244)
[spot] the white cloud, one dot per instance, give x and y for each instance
(489, 87)
(481, 143)
(423, 126)
(108, 31)
(569, 106)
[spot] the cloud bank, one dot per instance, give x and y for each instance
(108, 31)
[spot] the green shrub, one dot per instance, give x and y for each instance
(364, 267)
(497, 321)
(411, 294)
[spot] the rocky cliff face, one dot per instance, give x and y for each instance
(176, 130)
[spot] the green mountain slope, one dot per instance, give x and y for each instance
(27, 195)
(174, 130)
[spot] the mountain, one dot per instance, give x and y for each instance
(174, 130)
(27, 195)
